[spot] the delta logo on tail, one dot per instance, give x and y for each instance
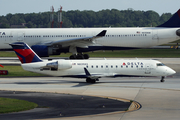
(25, 53)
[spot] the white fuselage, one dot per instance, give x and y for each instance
(115, 37)
(101, 68)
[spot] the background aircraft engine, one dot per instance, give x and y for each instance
(63, 64)
(178, 32)
(44, 51)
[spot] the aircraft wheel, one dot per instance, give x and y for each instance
(80, 56)
(93, 81)
(86, 56)
(72, 57)
(162, 80)
(88, 80)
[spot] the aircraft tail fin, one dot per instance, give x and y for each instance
(25, 53)
(173, 22)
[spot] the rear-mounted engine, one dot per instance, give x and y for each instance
(178, 32)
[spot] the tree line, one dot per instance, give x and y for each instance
(87, 18)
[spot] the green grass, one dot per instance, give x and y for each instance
(150, 53)
(7, 54)
(17, 71)
(8, 105)
(147, 53)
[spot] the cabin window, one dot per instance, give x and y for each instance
(111, 66)
(96, 66)
(101, 66)
(92, 66)
(116, 66)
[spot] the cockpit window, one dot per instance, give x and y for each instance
(160, 64)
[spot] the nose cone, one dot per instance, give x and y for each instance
(171, 71)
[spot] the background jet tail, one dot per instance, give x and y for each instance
(25, 53)
(174, 21)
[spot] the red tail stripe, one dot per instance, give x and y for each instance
(23, 52)
(26, 53)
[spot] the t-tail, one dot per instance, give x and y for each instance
(173, 22)
(25, 53)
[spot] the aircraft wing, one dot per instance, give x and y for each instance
(78, 42)
(95, 76)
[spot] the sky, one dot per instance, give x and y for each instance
(36, 6)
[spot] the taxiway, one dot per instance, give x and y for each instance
(159, 101)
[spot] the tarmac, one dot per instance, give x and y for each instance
(159, 101)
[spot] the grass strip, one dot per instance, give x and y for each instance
(18, 71)
(148, 53)
(8, 105)
(139, 53)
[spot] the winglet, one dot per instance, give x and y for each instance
(87, 72)
(174, 21)
(25, 53)
(101, 34)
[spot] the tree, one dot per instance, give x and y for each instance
(30, 24)
(88, 18)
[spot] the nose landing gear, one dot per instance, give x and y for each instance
(162, 79)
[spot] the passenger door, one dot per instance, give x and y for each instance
(20, 37)
(147, 68)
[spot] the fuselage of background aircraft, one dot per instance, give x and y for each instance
(50, 41)
(115, 38)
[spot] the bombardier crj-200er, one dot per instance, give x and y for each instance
(92, 70)
(48, 41)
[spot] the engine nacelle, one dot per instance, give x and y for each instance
(44, 51)
(61, 65)
(178, 32)
(64, 64)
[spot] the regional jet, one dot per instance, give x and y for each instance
(54, 41)
(92, 70)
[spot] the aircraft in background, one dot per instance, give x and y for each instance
(48, 41)
(92, 70)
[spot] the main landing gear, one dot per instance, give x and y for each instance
(162, 79)
(89, 80)
(79, 56)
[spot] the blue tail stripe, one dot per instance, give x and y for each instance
(173, 22)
